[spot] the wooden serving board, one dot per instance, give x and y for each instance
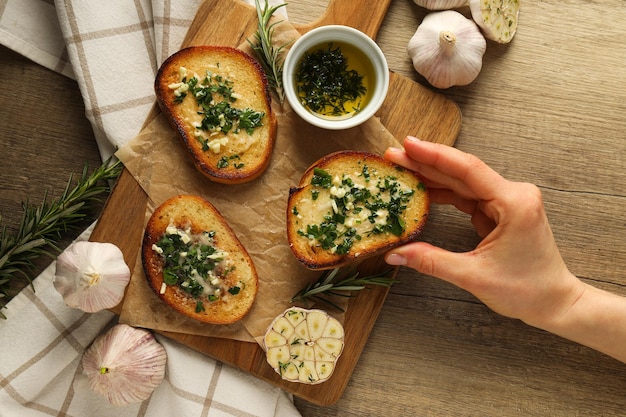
(409, 109)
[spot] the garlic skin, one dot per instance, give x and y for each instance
(125, 364)
(91, 276)
(497, 18)
(447, 49)
(440, 4)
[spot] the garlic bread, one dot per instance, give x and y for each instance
(195, 263)
(218, 100)
(351, 205)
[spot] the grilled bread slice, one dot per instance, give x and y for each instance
(218, 100)
(351, 205)
(194, 262)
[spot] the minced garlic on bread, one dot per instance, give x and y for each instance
(194, 262)
(218, 100)
(351, 205)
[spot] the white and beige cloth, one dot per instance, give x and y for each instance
(112, 49)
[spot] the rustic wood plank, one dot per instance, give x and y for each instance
(365, 16)
(36, 126)
(42, 123)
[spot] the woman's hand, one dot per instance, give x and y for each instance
(516, 269)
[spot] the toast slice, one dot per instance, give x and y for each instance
(352, 205)
(194, 262)
(218, 100)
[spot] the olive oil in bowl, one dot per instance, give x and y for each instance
(334, 80)
(335, 77)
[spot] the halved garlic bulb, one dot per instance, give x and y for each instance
(91, 276)
(447, 49)
(304, 345)
(440, 4)
(125, 364)
(497, 18)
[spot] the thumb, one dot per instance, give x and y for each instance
(431, 260)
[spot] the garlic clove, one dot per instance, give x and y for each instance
(440, 4)
(125, 364)
(91, 276)
(497, 18)
(447, 49)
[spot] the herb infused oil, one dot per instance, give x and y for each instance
(333, 81)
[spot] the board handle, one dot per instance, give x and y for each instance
(364, 15)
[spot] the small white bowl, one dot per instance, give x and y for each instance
(322, 36)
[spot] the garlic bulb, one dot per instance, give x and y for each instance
(440, 4)
(125, 364)
(497, 18)
(447, 49)
(91, 276)
(304, 345)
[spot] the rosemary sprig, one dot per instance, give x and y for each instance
(43, 226)
(330, 284)
(270, 57)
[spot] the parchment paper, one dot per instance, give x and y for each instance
(256, 211)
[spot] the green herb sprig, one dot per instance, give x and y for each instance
(332, 284)
(270, 57)
(43, 226)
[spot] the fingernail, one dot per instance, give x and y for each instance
(395, 259)
(412, 139)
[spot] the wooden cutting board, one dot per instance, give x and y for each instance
(409, 109)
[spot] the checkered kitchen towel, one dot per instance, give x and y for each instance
(112, 48)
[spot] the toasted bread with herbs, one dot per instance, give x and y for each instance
(351, 205)
(218, 100)
(194, 262)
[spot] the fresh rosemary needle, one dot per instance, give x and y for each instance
(270, 57)
(331, 284)
(42, 227)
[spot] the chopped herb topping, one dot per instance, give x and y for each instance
(225, 161)
(282, 366)
(214, 95)
(321, 178)
(195, 265)
(357, 209)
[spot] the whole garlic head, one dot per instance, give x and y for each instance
(91, 276)
(125, 364)
(440, 4)
(447, 49)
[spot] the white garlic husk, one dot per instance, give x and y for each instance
(91, 276)
(447, 49)
(440, 4)
(125, 364)
(496, 18)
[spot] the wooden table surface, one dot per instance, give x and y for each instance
(549, 108)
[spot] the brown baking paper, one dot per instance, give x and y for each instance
(256, 211)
